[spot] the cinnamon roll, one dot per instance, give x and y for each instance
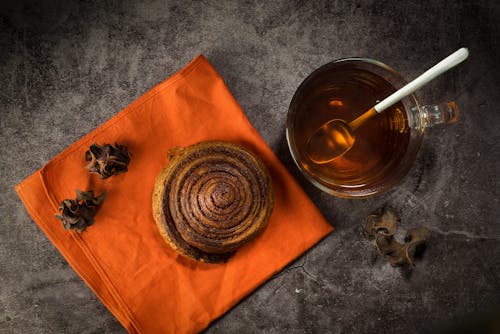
(212, 198)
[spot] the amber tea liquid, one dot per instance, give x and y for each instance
(380, 143)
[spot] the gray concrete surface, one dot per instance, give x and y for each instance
(67, 66)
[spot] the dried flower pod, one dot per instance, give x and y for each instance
(391, 249)
(382, 226)
(79, 213)
(415, 242)
(384, 221)
(107, 160)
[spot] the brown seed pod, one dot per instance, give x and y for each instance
(382, 226)
(79, 213)
(107, 160)
(384, 221)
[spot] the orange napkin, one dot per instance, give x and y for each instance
(122, 257)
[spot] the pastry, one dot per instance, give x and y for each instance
(212, 198)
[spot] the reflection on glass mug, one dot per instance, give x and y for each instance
(385, 145)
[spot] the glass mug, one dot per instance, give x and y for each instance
(385, 145)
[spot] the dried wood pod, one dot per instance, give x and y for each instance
(79, 213)
(415, 243)
(107, 160)
(212, 198)
(382, 225)
(384, 221)
(392, 250)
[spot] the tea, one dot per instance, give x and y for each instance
(346, 92)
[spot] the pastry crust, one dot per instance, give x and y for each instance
(212, 198)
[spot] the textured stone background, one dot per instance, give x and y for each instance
(67, 66)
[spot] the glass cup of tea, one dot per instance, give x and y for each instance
(385, 145)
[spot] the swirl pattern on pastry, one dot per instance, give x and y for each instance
(212, 198)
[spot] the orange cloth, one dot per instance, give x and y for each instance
(122, 257)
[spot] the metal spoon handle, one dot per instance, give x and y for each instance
(444, 65)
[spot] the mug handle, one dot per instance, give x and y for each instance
(442, 113)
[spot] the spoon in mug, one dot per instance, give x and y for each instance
(336, 137)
